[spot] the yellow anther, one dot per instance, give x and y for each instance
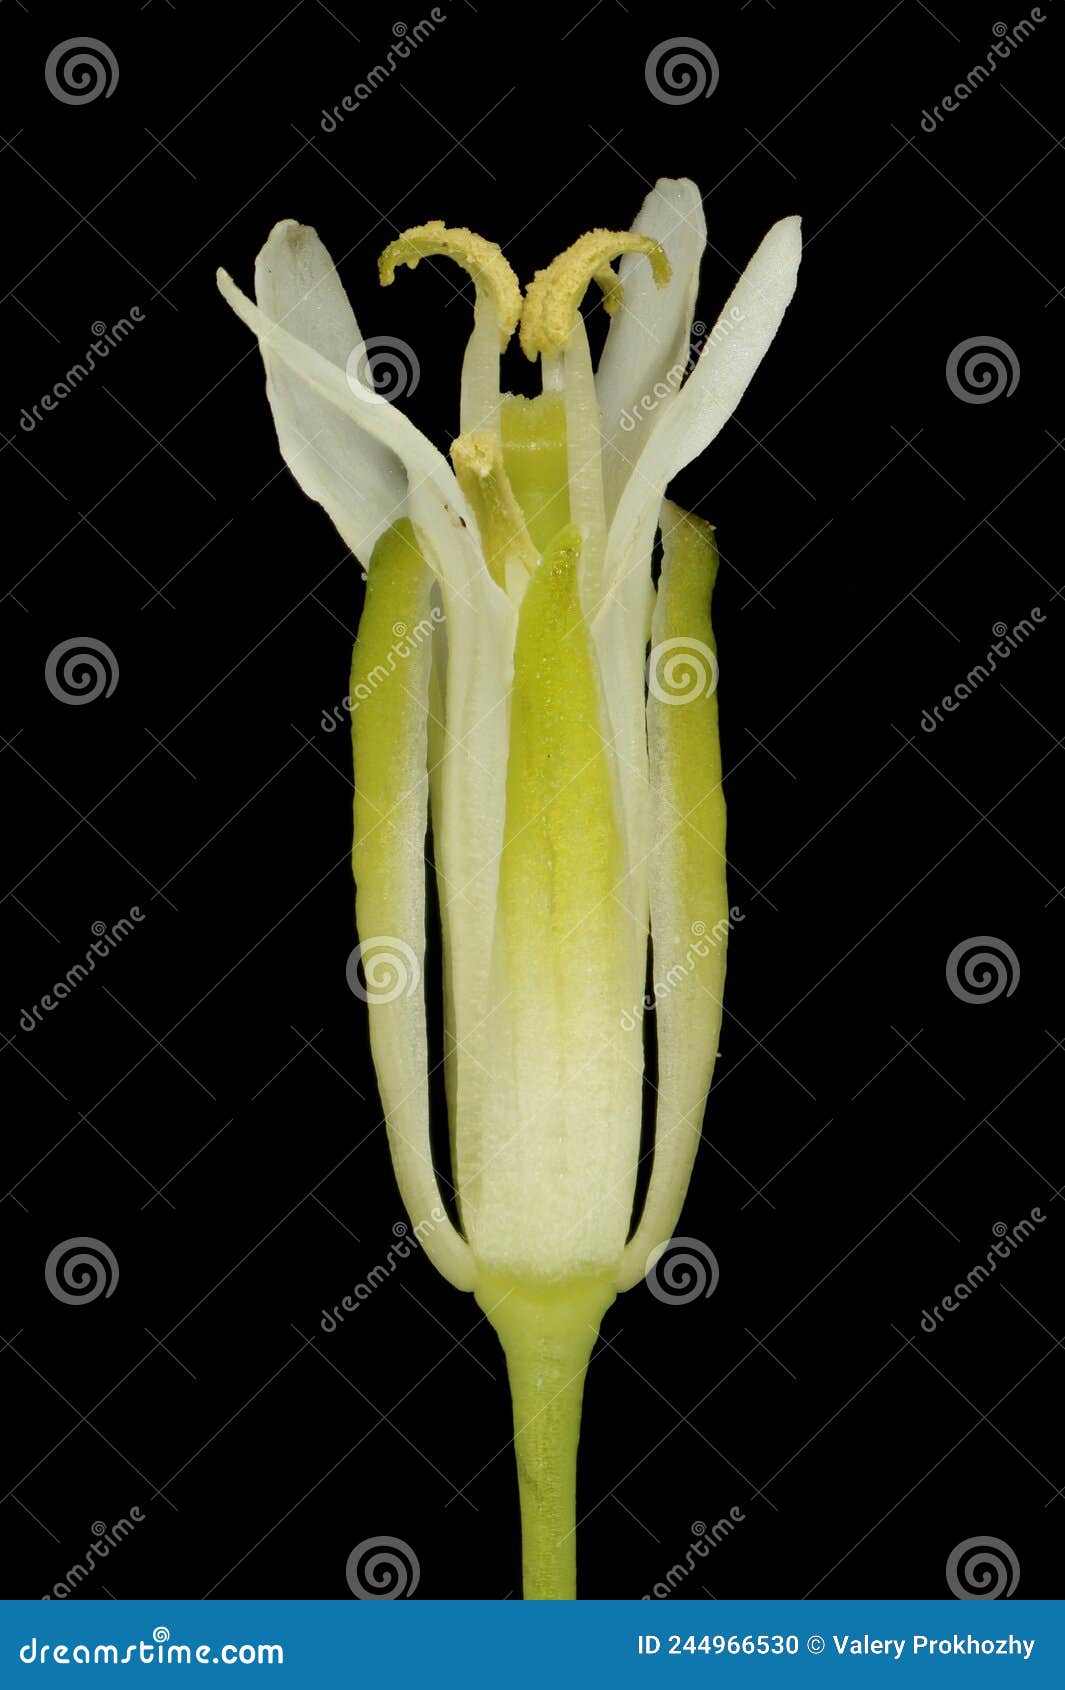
(553, 297)
(478, 461)
(481, 259)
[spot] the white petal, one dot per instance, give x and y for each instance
(730, 356)
(620, 632)
(434, 501)
(647, 345)
(468, 796)
(359, 482)
(469, 784)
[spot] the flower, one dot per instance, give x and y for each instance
(573, 789)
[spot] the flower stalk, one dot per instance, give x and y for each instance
(547, 1334)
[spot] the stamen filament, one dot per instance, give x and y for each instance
(585, 463)
(497, 307)
(509, 553)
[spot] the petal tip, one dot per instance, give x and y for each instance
(789, 231)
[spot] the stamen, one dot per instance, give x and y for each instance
(553, 297)
(481, 259)
(508, 550)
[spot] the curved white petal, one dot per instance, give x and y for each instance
(732, 352)
(469, 782)
(434, 501)
(648, 343)
(358, 481)
(620, 632)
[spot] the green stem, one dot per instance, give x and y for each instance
(547, 1333)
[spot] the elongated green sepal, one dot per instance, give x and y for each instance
(686, 869)
(390, 676)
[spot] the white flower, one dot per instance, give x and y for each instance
(574, 810)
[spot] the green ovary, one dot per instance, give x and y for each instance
(534, 456)
(547, 1172)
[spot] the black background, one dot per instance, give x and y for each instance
(204, 1104)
